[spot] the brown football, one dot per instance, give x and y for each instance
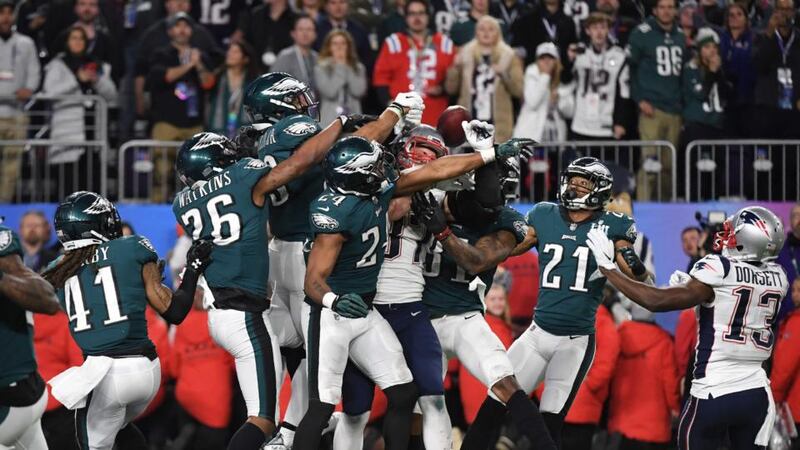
(449, 125)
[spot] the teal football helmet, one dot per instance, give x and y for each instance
(357, 166)
(600, 180)
(203, 155)
(273, 96)
(86, 218)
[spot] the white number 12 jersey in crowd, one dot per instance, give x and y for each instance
(734, 331)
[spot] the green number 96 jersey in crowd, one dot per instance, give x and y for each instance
(16, 325)
(447, 286)
(570, 284)
(363, 222)
(288, 219)
(222, 209)
(106, 300)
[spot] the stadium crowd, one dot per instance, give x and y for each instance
(552, 70)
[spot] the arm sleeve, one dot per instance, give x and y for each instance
(34, 69)
(58, 80)
(383, 73)
(512, 221)
(357, 80)
(156, 74)
(624, 230)
(537, 88)
(105, 86)
(515, 81)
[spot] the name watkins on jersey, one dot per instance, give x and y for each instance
(203, 189)
(747, 275)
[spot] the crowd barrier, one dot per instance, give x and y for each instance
(139, 162)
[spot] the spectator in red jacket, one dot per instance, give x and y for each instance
(473, 393)
(644, 391)
(204, 379)
(56, 351)
(524, 271)
(685, 342)
(785, 376)
(584, 415)
(154, 421)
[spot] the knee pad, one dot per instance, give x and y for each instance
(402, 395)
(319, 413)
(293, 358)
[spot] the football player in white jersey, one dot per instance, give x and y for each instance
(737, 295)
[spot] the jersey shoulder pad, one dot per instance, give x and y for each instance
(446, 45)
(512, 221)
(287, 135)
(333, 213)
(9, 242)
(623, 227)
(711, 270)
(249, 170)
(538, 211)
(139, 247)
(393, 43)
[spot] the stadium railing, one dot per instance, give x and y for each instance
(753, 169)
(137, 165)
(550, 158)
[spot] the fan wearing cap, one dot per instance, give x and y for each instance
(177, 81)
(540, 97)
(705, 90)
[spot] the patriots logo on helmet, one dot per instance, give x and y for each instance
(5, 239)
(753, 219)
(300, 129)
(361, 163)
(99, 206)
(324, 221)
(284, 86)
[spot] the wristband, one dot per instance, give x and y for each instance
(396, 109)
(328, 299)
(444, 234)
(488, 155)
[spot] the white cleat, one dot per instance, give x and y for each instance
(332, 422)
(276, 444)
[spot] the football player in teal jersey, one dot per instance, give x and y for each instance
(226, 200)
(104, 282)
(459, 268)
(23, 397)
(349, 222)
(558, 348)
(282, 111)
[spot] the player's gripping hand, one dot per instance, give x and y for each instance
(633, 261)
(353, 122)
(516, 147)
(480, 135)
(351, 306)
(405, 102)
(199, 255)
(602, 248)
(679, 278)
(429, 213)
(246, 138)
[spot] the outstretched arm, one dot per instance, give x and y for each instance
(310, 153)
(488, 252)
(25, 287)
(444, 168)
(656, 299)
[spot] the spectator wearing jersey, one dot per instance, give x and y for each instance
(789, 257)
(785, 375)
(220, 18)
(486, 76)
(644, 391)
(473, 392)
(736, 50)
(225, 114)
(177, 82)
(337, 17)
(777, 63)
(508, 12)
(705, 91)
(416, 60)
(19, 79)
(540, 118)
(583, 417)
(621, 25)
(463, 31)
(299, 59)
(601, 94)
(268, 28)
(447, 13)
(656, 52)
(547, 23)
(340, 78)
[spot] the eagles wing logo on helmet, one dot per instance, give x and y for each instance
(284, 86)
(99, 206)
(300, 129)
(207, 140)
(324, 221)
(360, 162)
(751, 218)
(5, 239)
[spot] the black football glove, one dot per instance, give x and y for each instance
(351, 306)
(632, 260)
(353, 122)
(429, 212)
(521, 147)
(246, 138)
(199, 255)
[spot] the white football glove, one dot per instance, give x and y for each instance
(480, 135)
(410, 100)
(413, 117)
(679, 278)
(602, 248)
